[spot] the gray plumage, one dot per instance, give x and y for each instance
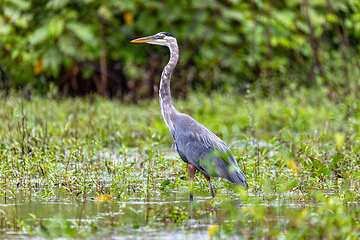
(196, 145)
(201, 149)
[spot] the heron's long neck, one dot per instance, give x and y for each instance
(167, 108)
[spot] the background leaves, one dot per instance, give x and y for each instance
(225, 46)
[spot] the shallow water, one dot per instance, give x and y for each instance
(139, 219)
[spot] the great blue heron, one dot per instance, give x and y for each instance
(198, 147)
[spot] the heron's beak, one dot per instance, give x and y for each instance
(144, 39)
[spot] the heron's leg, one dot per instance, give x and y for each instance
(209, 181)
(191, 170)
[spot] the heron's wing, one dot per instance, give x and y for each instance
(202, 148)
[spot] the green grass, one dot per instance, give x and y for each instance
(299, 153)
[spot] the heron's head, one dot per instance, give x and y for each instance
(161, 38)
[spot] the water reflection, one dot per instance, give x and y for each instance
(158, 218)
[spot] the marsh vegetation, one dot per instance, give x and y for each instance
(95, 167)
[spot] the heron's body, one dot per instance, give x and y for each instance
(197, 146)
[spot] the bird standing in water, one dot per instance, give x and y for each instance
(197, 146)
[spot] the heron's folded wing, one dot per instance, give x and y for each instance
(194, 143)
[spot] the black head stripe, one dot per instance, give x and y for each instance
(167, 34)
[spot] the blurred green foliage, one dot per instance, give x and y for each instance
(224, 44)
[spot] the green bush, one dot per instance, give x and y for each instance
(224, 45)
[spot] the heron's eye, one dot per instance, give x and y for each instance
(163, 36)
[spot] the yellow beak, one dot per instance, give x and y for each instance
(144, 39)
